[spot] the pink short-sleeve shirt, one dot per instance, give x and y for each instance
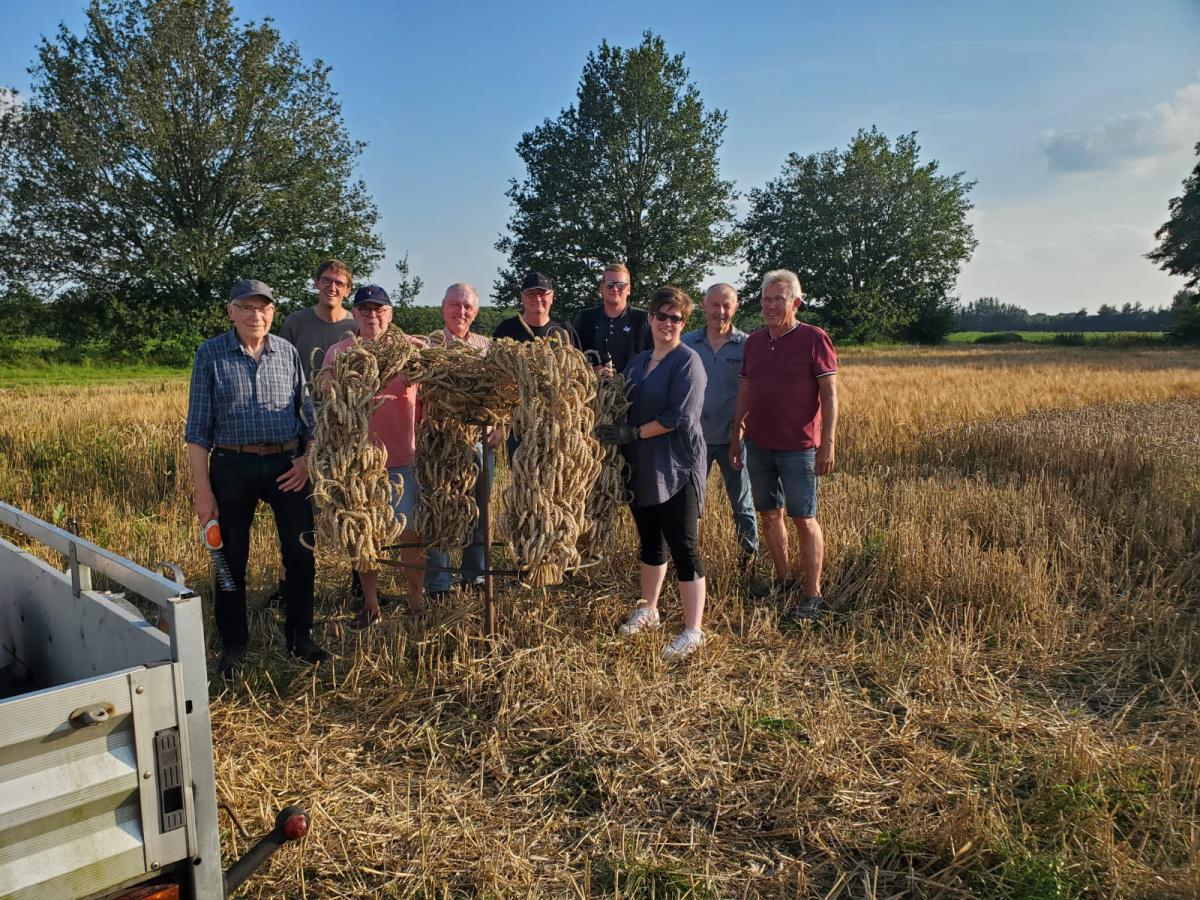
(394, 424)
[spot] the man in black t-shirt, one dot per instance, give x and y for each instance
(537, 296)
(613, 333)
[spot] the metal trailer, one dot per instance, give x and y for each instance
(106, 758)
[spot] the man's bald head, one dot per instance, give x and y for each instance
(722, 289)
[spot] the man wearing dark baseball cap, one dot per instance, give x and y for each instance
(247, 429)
(537, 296)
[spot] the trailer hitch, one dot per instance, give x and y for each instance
(291, 824)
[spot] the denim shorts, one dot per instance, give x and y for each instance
(779, 476)
(406, 506)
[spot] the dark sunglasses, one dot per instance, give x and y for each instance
(668, 317)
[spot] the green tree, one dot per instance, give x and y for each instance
(876, 236)
(169, 150)
(409, 286)
(629, 173)
(1185, 310)
(1178, 250)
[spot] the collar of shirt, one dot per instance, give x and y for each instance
(233, 345)
(700, 336)
(472, 339)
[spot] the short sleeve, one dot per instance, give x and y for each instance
(824, 356)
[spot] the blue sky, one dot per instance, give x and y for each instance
(1077, 119)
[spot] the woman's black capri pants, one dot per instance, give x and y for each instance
(674, 524)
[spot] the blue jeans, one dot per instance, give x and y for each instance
(737, 488)
(780, 477)
(472, 556)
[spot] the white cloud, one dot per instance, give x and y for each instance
(1167, 129)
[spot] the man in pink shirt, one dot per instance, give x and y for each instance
(787, 411)
(393, 426)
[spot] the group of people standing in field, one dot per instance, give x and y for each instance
(762, 406)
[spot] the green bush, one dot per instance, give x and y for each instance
(1069, 339)
(29, 349)
(1000, 337)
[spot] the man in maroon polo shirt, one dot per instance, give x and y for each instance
(787, 412)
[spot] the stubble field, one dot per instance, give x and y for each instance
(1004, 703)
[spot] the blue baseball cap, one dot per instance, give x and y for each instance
(251, 287)
(372, 293)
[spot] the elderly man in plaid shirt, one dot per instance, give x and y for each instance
(247, 430)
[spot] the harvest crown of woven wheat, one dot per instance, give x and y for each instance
(565, 489)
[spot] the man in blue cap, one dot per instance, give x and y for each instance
(247, 430)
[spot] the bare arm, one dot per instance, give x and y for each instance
(202, 493)
(653, 429)
(738, 430)
(827, 384)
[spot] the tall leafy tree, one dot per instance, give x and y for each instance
(876, 236)
(1178, 250)
(169, 150)
(628, 173)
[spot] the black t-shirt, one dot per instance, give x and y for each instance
(613, 340)
(519, 330)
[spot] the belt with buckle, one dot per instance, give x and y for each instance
(260, 449)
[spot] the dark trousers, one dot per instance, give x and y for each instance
(239, 482)
(674, 524)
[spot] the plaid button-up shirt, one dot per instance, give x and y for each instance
(235, 400)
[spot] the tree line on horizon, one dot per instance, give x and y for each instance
(149, 168)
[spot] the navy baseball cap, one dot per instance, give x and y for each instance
(537, 281)
(250, 287)
(372, 293)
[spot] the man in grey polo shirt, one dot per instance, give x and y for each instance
(719, 345)
(314, 330)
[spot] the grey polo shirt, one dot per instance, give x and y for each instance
(723, 369)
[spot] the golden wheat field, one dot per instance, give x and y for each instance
(1003, 704)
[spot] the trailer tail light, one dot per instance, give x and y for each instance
(295, 827)
(151, 892)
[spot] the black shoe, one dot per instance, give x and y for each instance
(278, 598)
(806, 610)
(746, 560)
(386, 599)
(761, 588)
(438, 596)
(231, 661)
(365, 619)
(304, 648)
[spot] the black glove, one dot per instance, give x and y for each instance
(616, 434)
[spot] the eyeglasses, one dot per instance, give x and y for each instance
(616, 285)
(668, 317)
(326, 281)
(375, 312)
(250, 308)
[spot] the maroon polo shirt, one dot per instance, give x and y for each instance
(781, 375)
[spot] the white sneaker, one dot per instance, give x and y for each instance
(684, 645)
(639, 620)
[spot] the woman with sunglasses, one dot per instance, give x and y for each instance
(664, 444)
